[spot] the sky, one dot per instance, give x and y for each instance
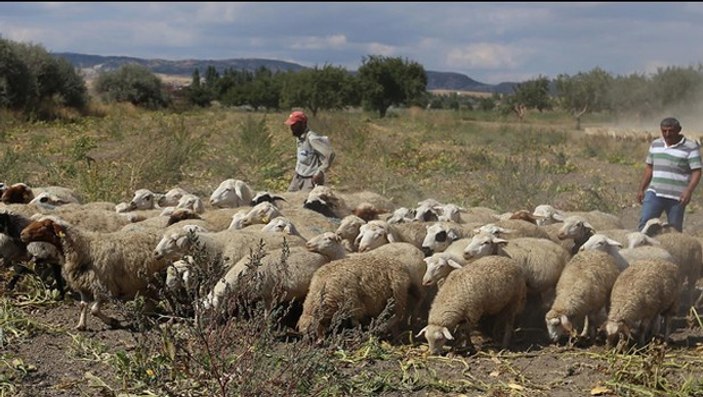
(489, 42)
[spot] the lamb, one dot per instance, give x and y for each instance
(366, 211)
(143, 199)
(439, 265)
(492, 286)
(308, 222)
(582, 292)
(98, 264)
(231, 193)
(542, 260)
(643, 291)
(281, 224)
(21, 193)
(401, 215)
(359, 287)
(580, 230)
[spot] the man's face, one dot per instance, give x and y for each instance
(297, 129)
(670, 134)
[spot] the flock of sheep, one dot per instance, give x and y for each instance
(437, 268)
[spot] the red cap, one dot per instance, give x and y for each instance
(297, 117)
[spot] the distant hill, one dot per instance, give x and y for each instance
(93, 64)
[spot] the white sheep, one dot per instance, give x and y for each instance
(641, 293)
(348, 230)
(513, 228)
(376, 233)
(582, 292)
(98, 264)
(546, 214)
(439, 265)
(542, 260)
(171, 198)
(401, 215)
(231, 193)
(441, 235)
(493, 286)
(360, 288)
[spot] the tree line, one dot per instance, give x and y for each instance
(33, 82)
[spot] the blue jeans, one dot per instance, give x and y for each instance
(653, 206)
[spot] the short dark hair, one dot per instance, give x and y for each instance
(670, 122)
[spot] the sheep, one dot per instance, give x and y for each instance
(440, 235)
(359, 287)
(308, 222)
(366, 211)
(280, 224)
(687, 251)
(379, 202)
(231, 193)
(97, 264)
(450, 213)
(513, 228)
(580, 230)
(643, 291)
(348, 230)
(262, 196)
(439, 265)
(18, 193)
(15, 252)
(582, 292)
(324, 200)
(542, 260)
(401, 215)
(624, 256)
(546, 214)
(222, 218)
(171, 198)
(143, 199)
(376, 233)
(491, 286)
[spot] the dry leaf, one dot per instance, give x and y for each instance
(599, 390)
(494, 373)
(515, 386)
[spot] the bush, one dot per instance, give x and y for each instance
(132, 83)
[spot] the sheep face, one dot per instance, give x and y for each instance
(436, 337)
(225, 196)
(349, 227)
(46, 230)
(558, 325)
(19, 193)
(181, 214)
(261, 214)
(191, 202)
(483, 244)
(371, 237)
(171, 246)
(239, 221)
(280, 225)
(171, 197)
(600, 242)
(323, 242)
(144, 199)
(574, 228)
(437, 239)
(438, 267)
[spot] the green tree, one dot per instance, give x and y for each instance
(16, 85)
(584, 92)
(132, 83)
(198, 94)
(318, 89)
(386, 81)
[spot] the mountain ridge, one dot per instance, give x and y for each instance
(94, 64)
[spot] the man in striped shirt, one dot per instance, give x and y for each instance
(671, 174)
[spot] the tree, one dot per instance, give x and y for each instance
(198, 94)
(318, 89)
(131, 83)
(584, 92)
(387, 81)
(16, 84)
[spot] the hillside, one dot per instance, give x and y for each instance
(92, 64)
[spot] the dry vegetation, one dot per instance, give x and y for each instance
(466, 158)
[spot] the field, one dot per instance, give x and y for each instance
(466, 158)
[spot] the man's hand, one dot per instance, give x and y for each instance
(318, 178)
(685, 197)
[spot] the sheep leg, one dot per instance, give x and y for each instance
(84, 314)
(95, 311)
(586, 326)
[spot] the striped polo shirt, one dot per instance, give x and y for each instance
(672, 166)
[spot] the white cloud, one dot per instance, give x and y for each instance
(333, 42)
(380, 49)
(485, 56)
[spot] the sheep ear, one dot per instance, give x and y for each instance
(500, 241)
(391, 238)
(558, 217)
(454, 264)
(588, 226)
(452, 235)
(422, 332)
(566, 323)
(58, 229)
(614, 243)
(447, 335)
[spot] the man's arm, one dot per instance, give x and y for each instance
(323, 146)
(692, 183)
(646, 178)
